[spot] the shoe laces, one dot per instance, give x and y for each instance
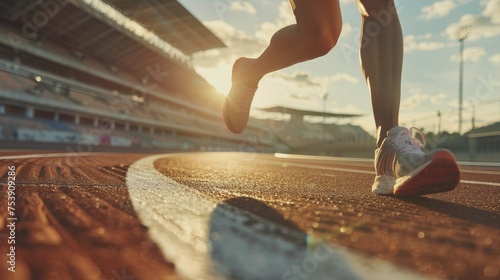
(406, 143)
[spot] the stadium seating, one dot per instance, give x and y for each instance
(50, 82)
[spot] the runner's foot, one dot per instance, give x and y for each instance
(402, 168)
(236, 109)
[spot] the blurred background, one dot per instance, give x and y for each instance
(151, 76)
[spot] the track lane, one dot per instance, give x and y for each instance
(240, 237)
(76, 221)
(471, 174)
(324, 199)
(86, 202)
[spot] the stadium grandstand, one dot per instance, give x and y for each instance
(115, 73)
(323, 138)
(118, 73)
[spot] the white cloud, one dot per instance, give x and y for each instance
(492, 11)
(483, 26)
(347, 109)
(344, 77)
(418, 98)
(471, 54)
(268, 28)
(413, 42)
(303, 97)
(215, 65)
(430, 46)
(300, 79)
(426, 36)
(438, 98)
(243, 7)
(495, 58)
(304, 79)
(346, 30)
(238, 44)
(438, 9)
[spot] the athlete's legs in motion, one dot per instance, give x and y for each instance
(318, 27)
(382, 61)
(402, 167)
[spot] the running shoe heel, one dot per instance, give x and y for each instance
(383, 185)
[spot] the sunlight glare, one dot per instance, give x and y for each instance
(218, 76)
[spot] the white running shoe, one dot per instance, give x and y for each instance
(402, 168)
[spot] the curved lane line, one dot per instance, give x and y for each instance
(312, 166)
(51, 155)
(208, 239)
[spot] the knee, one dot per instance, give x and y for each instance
(322, 41)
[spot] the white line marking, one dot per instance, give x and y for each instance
(370, 160)
(208, 239)
(320, 167)
(312, 166)
(309, 157)
(482, 164)
(485, 172)
(50, 155)
(480, 183)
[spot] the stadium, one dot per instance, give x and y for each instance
(108, 87)
(115, 163)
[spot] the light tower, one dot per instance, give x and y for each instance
(462, 34)
(325, 98)
(439, 122)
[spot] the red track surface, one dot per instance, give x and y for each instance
(76, 219)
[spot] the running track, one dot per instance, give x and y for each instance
(240, 216)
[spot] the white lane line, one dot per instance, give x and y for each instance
(480, 183)
(208, 239)
(319, 167)
(484, 172)
(50, 155)
(328, 158)
(480, 164)
(370, 160)
(350, 170)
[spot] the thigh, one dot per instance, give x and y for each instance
(318, 14)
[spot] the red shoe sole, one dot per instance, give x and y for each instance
(442, 174)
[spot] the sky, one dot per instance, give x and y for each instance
(430, 80)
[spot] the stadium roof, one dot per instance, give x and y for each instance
(485, 131)
(172, 22)
(298, 112)
(92, 27)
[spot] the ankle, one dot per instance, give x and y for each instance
(247, 75)
(382, 133)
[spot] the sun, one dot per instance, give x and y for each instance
(219, 76)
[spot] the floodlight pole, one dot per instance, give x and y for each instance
(462, 34)
(439, 121)
(325, 97)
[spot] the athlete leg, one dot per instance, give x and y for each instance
(318, 27)
(382, 60)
